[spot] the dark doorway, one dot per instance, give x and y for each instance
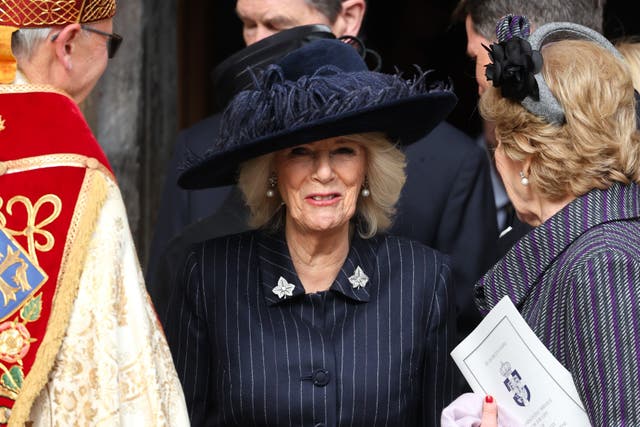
(403, 32)
(208, 32)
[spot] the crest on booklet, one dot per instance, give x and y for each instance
(515, 385)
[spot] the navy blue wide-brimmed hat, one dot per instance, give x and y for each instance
(235, 73)
(318, 91)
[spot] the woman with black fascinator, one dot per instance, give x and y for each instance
(569, 155)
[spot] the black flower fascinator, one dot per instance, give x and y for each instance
(517, 61)
(513, 62)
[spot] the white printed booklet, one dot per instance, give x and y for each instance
(503, 357)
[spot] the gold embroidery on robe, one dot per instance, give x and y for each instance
(32, 228)
(20, 278)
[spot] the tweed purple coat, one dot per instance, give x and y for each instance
(576, 281)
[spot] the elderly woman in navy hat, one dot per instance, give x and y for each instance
(316, 317)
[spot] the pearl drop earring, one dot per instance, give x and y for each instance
(273, 181)
(365, 188)
(523, 179)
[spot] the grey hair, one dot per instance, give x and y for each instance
(374, 214)
(486, 13)
(329, 8)
(25, 40)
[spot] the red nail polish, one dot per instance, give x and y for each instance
(489, 399)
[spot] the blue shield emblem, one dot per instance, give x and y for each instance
(19, 276)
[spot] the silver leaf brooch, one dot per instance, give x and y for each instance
(283, 289)
(359, 279)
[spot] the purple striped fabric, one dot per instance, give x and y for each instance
(576, 281)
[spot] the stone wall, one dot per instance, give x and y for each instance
(132, 110)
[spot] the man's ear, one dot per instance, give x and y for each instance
(350, 18)
(64, 44)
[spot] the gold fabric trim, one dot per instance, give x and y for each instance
(21, 13)
(53, 161)
(28, 88)
(8, 64)
(95, 10)
(90, 201)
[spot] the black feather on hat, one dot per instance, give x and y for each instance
(318, 91)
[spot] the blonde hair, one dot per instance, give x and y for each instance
(630, 49)
(385, 179)
(596, 146)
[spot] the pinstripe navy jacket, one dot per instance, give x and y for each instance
(251, 348)
(576, 281)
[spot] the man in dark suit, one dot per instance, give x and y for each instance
(447, 202)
